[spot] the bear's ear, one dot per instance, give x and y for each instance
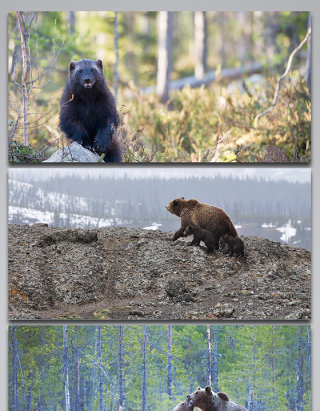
(99, 63)
(182, 198)
(208, 389)
(199, 388)
(72, 65)
(223, 396)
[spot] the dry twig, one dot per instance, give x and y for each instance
(276, 94)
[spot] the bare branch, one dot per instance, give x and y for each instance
(276, 94)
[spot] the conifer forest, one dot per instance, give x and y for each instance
(154, 367)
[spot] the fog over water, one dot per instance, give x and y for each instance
(270, 202)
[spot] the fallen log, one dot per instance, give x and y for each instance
(210, 77)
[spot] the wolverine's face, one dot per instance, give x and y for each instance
(86, 72)
(174, 206)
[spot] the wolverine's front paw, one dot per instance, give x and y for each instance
(102, 142)
(87, 146)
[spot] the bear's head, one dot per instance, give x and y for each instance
(205, 398)
(184, 406)
(175, 206)
(85, 73)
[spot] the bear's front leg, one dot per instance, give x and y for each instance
(179, 233)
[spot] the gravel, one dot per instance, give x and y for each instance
(126, 273)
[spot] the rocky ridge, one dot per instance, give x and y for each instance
(135, 274)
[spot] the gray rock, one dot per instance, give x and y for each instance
(75, 153)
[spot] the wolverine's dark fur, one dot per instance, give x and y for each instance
(199, 234)
(88, 113)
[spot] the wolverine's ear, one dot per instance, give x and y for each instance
(223, 396)
(72, 65)
(208, 389)
(99, 63)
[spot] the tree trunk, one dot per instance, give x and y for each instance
(200, 43)
(72, 22)
(300, 372)
(169, 366)
(30, 388)
(208, 355)
(273, 366)
(66, 370)
(144, 369)
(191, 365)
(77, 371)
(41, 405)
(165, 35)
(308, 61)
(245, 42)
(116, 49)
(215, 359)
(14, 380)
(120, 368)
(100, 371)
(221, 25)
(24, 77)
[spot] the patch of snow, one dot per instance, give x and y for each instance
(154, 226)
(270, 225)
(287, 232)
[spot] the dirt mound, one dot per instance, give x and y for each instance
(124, 273)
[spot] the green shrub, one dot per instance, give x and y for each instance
(208, 124)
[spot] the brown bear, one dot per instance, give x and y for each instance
(207, 400)
(88, 113)
(199, 234)
(184, 406)
(235, 245)
(208, 217)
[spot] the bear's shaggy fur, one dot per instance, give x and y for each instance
(207, 400)
(88, 113)
(184, 406)
(235, 245)
(208, 217)
(199, 234)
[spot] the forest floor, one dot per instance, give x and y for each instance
(136, 274)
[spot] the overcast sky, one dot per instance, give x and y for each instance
(292, 174)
